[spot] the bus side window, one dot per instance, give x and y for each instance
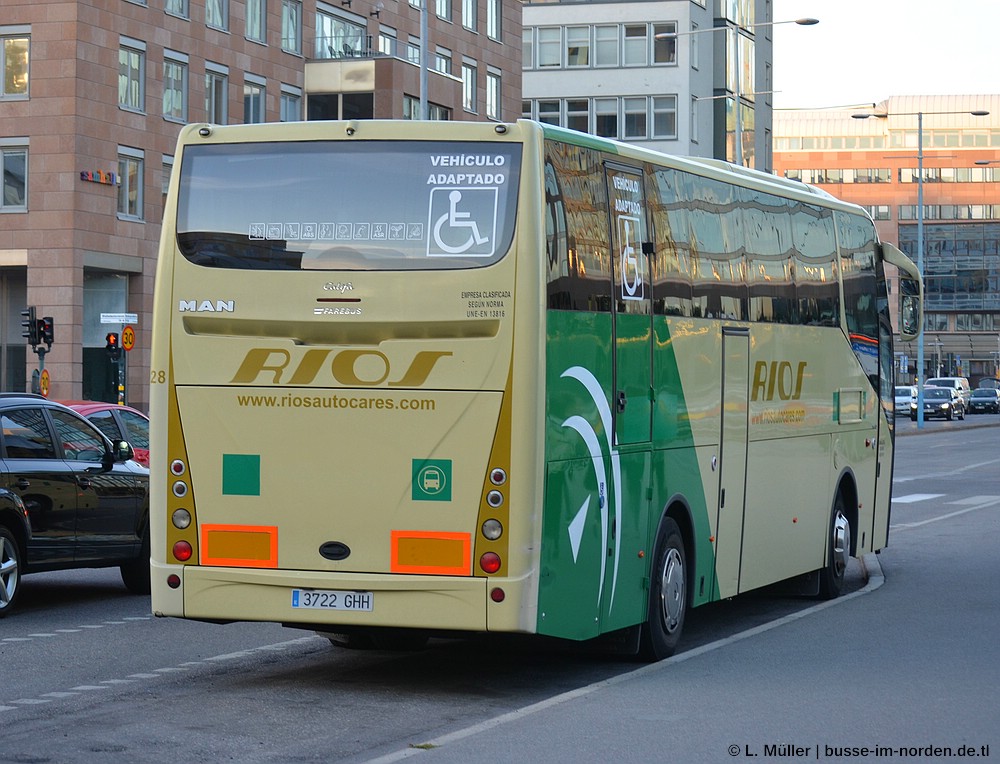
(579, 266)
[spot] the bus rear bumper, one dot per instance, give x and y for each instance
(449, 603)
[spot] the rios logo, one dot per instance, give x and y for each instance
(342, 367)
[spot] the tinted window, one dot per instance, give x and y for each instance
(577, 236)
(105, 422)
(348, 205)
(80, 442)
(138, 429)
(26, 436)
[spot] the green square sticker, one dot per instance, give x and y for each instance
(431, 480)
(241, 474)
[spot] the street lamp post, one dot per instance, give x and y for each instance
(920, 229)
(738, 121)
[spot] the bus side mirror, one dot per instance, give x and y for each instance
(909, 308)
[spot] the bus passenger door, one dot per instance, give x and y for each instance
(624, 600)
(633, 315)
(732, 459)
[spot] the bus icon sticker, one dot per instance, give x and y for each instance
(431, 480)
(462, 221)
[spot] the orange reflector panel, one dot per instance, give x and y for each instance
(239, 546)
(431, 553)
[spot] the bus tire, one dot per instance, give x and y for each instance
(668, 595)
(833, 574)
(11, 568)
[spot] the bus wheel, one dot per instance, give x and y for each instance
(10, 571)
(832, 575)
(668, 595)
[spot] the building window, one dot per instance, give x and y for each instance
(606, 46)
(548, 112)
(578, 114)
(442, 9)
(411, 110)
(14, 58)
(254, 94)
(665, 117)
(413, 50)
(216, 93)
(634, 46)
(606, 117)
(470, 10)
(291, 26)
(549, 47)
(177, 8)
(527, 49)
(168, 168)
(131, 74)
(291, 103)
(175, 86)
(577, 46)
(130, 178)
(694, 119)
(469, 95)
(665, 45)
(14, 171)
(494, 16)
(635, 117)
(442, 60)
(217, 14)
(387, 42)
(493, 91)
(257, 20)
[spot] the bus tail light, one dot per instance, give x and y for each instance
(490, 562)
(174, 581)
(498, 594)
(182, 551)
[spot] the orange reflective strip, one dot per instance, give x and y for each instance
(239, 546)
(434, 553)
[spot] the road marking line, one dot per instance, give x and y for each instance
(83, 687)
(906, 526)
(909, 499)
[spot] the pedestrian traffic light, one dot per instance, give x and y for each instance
(112, 346)
(46, 330)
(30, 325)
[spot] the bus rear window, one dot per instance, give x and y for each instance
(340, 205)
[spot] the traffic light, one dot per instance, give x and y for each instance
(46, 330)
(30, 325)
(112, 345)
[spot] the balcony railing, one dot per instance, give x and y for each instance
(346, 46)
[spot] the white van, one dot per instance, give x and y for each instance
(961, 384)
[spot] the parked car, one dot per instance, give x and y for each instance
(904, 397)
(118, 423)
(943, 402)
(985, 400)
(69, 497)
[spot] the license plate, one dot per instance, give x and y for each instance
(326, 599)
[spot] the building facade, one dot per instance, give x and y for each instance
(869, 155)
(665, 74)
(93, 94)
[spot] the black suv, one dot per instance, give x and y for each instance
(69, 497)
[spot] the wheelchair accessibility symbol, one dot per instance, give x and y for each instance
(462, 221)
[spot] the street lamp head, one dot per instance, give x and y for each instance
(979, 113)
(806, 22)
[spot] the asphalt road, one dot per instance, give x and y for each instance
(906, 660)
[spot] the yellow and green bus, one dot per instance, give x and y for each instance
(414, 378)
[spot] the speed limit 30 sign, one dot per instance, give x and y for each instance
(128, 338)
